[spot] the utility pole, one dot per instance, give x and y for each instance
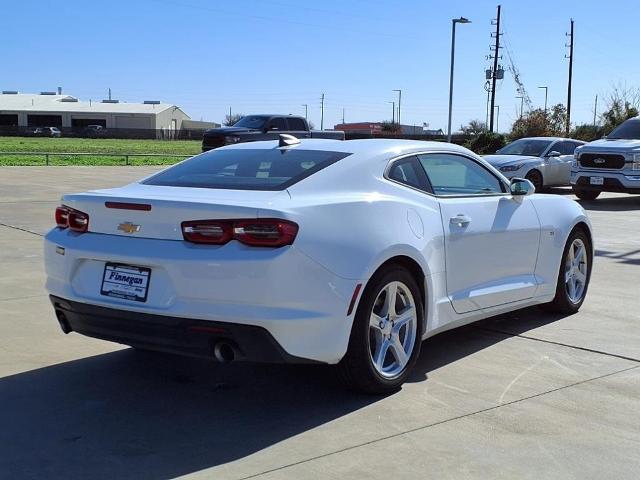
(595, 111)
(229, 113)
(570, 35)
(322, 112)
(109, 94)
(495, 69)
(343, 115)
(306, 111)
(497, 118)
(399, 103)
(521, 105)
(393, 113)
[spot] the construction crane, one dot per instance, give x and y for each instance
(516, 77)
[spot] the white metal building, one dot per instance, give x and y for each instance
(55, 110)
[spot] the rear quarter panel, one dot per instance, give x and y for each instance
(558, 216)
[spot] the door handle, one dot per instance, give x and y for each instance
(460, 220)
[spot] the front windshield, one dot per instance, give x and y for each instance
(252, 121)
(629, 130)
(526, 146)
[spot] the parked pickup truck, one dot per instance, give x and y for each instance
(611, 164)
(253, 128)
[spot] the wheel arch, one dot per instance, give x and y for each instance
(538, 171)
(416, 271)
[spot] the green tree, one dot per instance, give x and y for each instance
(587, 132)
(486, 142)
(538, 123)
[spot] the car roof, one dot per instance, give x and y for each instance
(550, 138)
(369, 146)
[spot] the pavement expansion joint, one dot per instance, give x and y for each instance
(441, 422)
(584, 349)
(21, 229)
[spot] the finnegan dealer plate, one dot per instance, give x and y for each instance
(125, 281)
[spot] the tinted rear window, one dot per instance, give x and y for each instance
(245, 169)
(629, 130)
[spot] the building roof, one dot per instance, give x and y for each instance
(66, 103)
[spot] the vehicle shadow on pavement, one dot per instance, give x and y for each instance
(612, 204)
(130, 414)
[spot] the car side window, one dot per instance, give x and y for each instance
(408, 172)
(451, 174)
(277, 123)
(296, 124)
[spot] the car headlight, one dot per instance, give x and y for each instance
(231, 139)
(511, 168)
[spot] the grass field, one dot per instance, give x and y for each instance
(117, 147)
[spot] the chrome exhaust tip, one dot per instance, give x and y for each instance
(224, 352)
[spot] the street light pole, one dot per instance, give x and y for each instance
(306, 111)
(399, 103)
(546, 91)
(453, 48)
(393, 113)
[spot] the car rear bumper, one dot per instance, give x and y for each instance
(298, 302)
(184, 336)
(613, 182)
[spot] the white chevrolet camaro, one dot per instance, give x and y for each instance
(347, 253)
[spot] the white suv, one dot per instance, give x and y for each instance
(611, 164)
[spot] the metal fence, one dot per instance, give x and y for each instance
(126, 156)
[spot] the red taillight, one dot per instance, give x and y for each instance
(258, 233)
(62, 216)
(67, 217)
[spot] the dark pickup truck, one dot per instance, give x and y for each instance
(253, 128)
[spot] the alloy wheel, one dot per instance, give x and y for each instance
(576, 269)
(393, 325)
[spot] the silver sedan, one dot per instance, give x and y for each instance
(545, 161)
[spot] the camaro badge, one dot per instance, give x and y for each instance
(128, 227)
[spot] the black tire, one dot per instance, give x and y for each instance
(585, 194)
(562, 302)
(535, 177)
(356, 368)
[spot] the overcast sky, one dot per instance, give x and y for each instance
(274, 56)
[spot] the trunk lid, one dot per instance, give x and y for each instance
(166, 208)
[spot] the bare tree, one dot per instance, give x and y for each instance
(473, 128)
(230, 120)
(622, 103)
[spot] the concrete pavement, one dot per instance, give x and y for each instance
(524, 395)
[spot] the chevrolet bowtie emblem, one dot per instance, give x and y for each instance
(599, 160)
(129, 227)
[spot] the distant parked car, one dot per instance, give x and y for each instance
(611, 164)
(544, 161)
(47, 132)
(253, 128)
(94, 131)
